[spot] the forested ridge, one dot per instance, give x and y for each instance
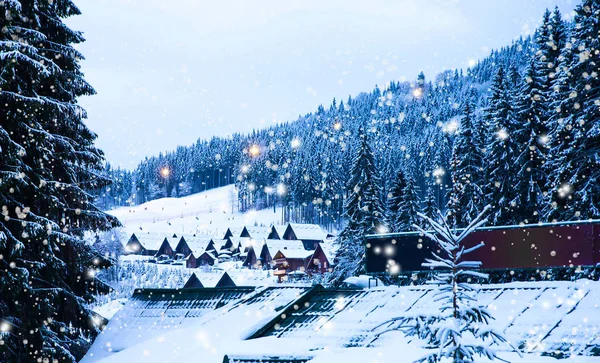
(517, 131)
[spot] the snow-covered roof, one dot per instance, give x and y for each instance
(152, 241)
(197, 244)
(295, 253)
(257, 232)
(279, 229)
(235, 231)
(329, 249)
(275, 245)
(308, 231)
(542, 317)
(241, 277)
(152, 317)
(218, 243)
(244, 241)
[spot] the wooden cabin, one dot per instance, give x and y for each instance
(318, 262)
(165, 249)
(257, 233)
(191, 261)
(292, 260)
(205, 259)
(145, 244)
(309, 234)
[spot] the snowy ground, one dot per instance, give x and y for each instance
(208, 213)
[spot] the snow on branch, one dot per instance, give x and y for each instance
(459, 331)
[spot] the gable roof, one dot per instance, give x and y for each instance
(274, 245)
(255, 232)
(193, 281)
(151, 241)
(316, 252)
(293, 254)
(312, 232)
(180, 314)
(197, 244)
(232, 232)
(225, 281)
(299, 322)
(276, 231)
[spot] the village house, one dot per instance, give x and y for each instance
(257, 233)
(309, 234)
(145, 244)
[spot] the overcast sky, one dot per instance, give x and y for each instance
(170, 72)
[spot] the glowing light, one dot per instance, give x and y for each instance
(281, 189)
(295, 143)
(389, 251)
(4, 327)
(438, 172)
(268, 190)
(564, 190)
(417, 92)
(502, 134)
(472, 62)
(165, 172)
(337, 126)
(544, 139)
(254, 150)
(394, 269)
(450, 127)
(245, 168)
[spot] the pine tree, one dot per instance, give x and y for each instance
(394, 199)
(47, 163)
(532, 139)
(460, 331)
(363, 210)
(430, 206)
(576, 141)
(408, 208)
(466, 197)
(502, 151)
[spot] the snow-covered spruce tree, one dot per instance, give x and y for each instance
(408, 207)
(501, 151)
(576, 141)
(430, 206)
(363, 210)
(459, 332)
(531, 175)
(466, 196)
(47, 162)
(394, 199)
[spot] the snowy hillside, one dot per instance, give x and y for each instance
(207, 213)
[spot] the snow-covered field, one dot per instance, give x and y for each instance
(208, 213)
